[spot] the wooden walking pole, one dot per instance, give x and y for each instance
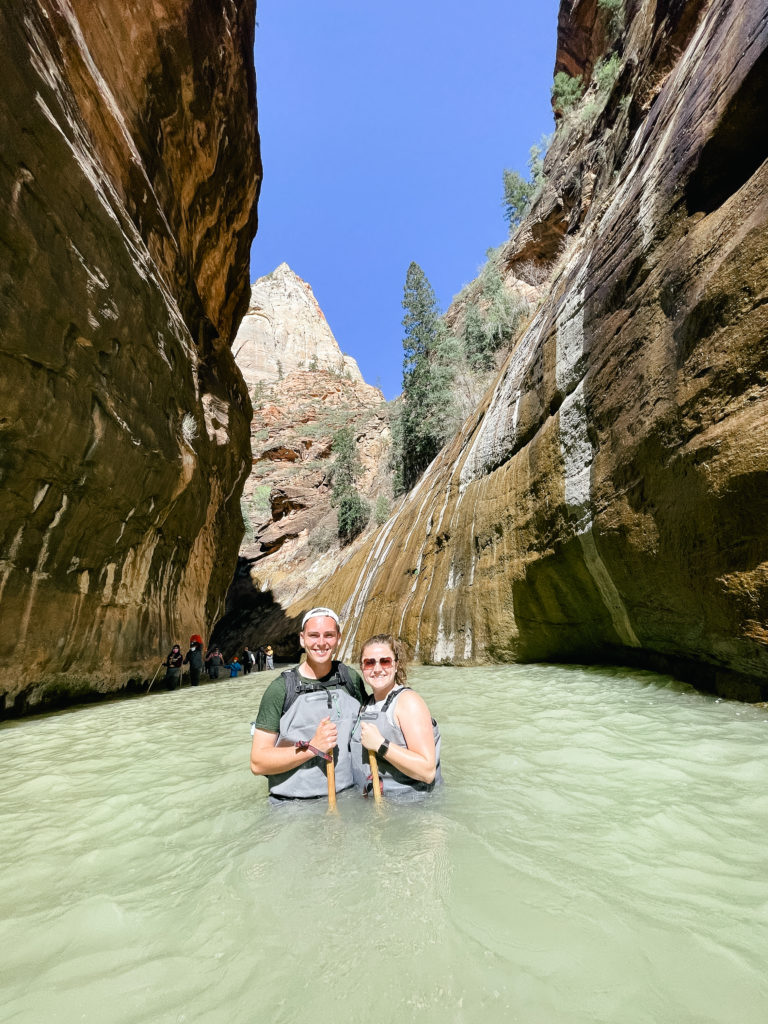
(330, 769)
(154, 677)
(375, 776)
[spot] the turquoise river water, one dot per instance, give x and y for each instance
(598, 854)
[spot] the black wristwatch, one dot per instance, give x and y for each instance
(382, 751)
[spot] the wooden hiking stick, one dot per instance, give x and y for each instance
(375, 776)
(154, 677)
(330, 769)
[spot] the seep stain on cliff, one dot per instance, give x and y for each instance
(608, 499)
(132, 165)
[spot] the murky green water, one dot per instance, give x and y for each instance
(598, 854)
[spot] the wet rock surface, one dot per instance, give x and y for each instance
(130, 175)
(608, 499)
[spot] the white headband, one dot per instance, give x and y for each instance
(320, 611)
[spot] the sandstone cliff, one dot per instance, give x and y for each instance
(130, 174)
(608, 499)
(285, 330)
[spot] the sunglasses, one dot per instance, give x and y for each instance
(384, 662)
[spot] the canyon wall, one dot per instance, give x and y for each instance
(130, 175)
(608, 500)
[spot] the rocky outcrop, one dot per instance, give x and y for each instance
(130, 176)
(285, 330)
(291, 542)
(608, 500)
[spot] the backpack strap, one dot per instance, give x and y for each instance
(391, 696)
(295, 685)
(292, 685)
(346, 677)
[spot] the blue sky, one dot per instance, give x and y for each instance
(385, 129)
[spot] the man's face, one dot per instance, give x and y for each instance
(320, 638)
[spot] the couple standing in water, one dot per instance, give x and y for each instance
(321, 710)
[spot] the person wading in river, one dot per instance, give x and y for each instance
(394, 723)
(306, 717)
(173, 665)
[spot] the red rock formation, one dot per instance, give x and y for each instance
(130, 175)
(293, 462)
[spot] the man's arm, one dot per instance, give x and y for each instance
(269, 759)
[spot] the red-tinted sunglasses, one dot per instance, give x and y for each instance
(384, 662)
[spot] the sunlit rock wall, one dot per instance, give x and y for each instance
(285, 330)
(609, 499)
(130, 173)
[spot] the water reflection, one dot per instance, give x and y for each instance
(597, 854)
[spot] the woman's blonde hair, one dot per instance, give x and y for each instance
(399, 650)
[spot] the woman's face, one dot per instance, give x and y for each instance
(378, 665)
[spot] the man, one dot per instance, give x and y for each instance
(247, 660)
(306, 717)
(213, 661)
(194, 658)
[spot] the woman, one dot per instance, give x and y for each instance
(173, 665)
(396, 725)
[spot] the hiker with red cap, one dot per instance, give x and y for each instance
(194, 658)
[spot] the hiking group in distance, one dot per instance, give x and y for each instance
(212, 662)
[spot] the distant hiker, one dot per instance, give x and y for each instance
(173, 665)
(194, 658)
(248, 660)
(213, 661)
(234, 667)
(261, 659)
(396, 725)
(270, 658)
(305, 713)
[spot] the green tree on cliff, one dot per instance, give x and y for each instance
(518, 191)
(353, 512)
(429, 361)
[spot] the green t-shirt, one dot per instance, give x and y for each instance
(271, 707)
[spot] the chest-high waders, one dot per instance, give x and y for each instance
(307, 703)
(396, 784)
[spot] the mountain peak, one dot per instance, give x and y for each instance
(285, 330)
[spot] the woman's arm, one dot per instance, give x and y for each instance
(417, 759)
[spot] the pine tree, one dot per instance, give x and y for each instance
(429, 359)
(353, 512)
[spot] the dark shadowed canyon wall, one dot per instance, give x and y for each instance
(129, 176)
(609, 500)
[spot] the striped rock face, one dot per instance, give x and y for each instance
(130, 176)
(609, 499)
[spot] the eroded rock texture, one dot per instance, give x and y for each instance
(130, 173)
(609, 498)
(285, 330)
